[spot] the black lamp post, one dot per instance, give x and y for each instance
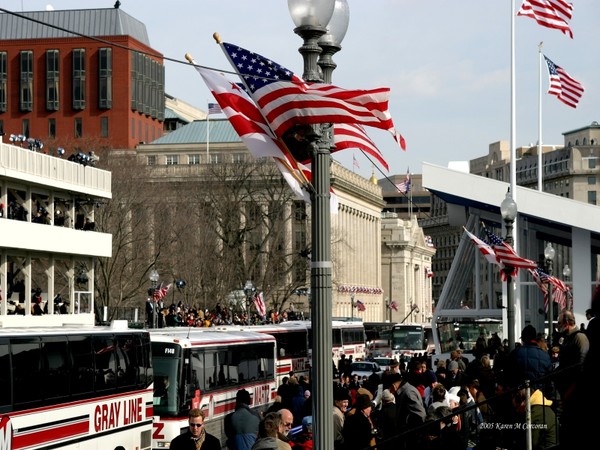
(250, 292)
(311, 18)
(508, 209)
(153, 285)
(549, 256)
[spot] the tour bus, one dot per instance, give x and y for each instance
(75, 387)
(378, 337)
(463, 333)
(204, 368)
(410, 339)
(292, 346)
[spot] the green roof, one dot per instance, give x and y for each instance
(196, 133)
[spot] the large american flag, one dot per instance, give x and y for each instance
(563, 86)
(287, 100)
(549, 13)
(160, 292)
(350, 135)
(507, 256)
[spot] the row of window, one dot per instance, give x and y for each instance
(77, 127)
(196, 159)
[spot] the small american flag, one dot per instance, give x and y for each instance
(259, 302)
(404, 186)
(485, 249)
(360, 306)
(393, 305)
(563, 86)
(214, 108)
(160, 292)
(560, 291)
(549, 13)
(355, 162)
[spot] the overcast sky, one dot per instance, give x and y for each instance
(447, 64)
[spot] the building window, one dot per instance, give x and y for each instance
(592, 163)
(26, 82)
(592, 197)
(193, 160)
(51, 128)
(592, 180)
(79, 78)
(172, 160)
(214, 159)
(25, 128)
(52, 80)
(104, 127)
(132, 128)
(152, 160)
(78, 127)
(105, 78)
(3, 81)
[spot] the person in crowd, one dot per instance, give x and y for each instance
(394, 368)
(442, 431)
(358, 431)
(287, 422)
(410, 411)
(269, 429)
(241, 426)
(470, 419)
(196, 437)
(544, 433)
(276, 405)
(304, 439)
(297, 400)
(454, 377)
(528, 361)
(438, 398)
(307, 405)
(340, 402)
(385, 420)
(487, 377)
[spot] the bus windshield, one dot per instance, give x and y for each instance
(166, 386)
(408, 338)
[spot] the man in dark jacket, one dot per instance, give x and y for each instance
(241, 426)
(196, 438)
(528, 361)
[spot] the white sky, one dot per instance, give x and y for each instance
(447, 64)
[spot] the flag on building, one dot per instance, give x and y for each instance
(428, 272)
(360, 306)
(393, 305)
(549, 13)
(214, 108)
(567, 89)
(287, 100)
(259, 302)
(404, 186)
(507, 256)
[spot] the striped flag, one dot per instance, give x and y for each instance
(485, 249)
(350, 135)
(160, 292)
(259, 302)
(214, 108)
(404, 186)
(355, 162)
(560, 290)
(393, 305)
(507, 256)
(563, 86)
(549, 13)
(286, 100)
(360, 306)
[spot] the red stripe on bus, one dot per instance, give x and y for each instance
(37, 437)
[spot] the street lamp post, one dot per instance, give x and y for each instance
(153, 284)
(549, 256)
(249, 291)
(311, 17)
(566, 275)
(508, 209)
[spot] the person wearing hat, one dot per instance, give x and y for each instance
(340, 402)
(304, 440)
(454, 376)
(385, 418)
(359, 432)
(528, 361)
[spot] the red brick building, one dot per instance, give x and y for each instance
(104, 84)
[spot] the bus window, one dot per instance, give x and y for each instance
(198, 369)
(82, 375)
(5, 378)
(26, 370)
(210, 369)
(106, 368)
(55, 354)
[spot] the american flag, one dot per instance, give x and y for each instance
(428, 272)
(549, 13)
(287, 100)
(160, 292)
(360, 306)
(560, 289)
(355, 162)
(563, 86)
(485, 249)
(214, 108)
(259, 302)
(350, 135)
(507, 256)
(404, 186)
(393, 305)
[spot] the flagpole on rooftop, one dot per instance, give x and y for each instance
(207, 137)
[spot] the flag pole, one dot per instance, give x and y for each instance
(539, 144)
(207, 137)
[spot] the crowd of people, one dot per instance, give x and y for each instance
(456, 404)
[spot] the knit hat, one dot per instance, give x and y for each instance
(452, 366)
